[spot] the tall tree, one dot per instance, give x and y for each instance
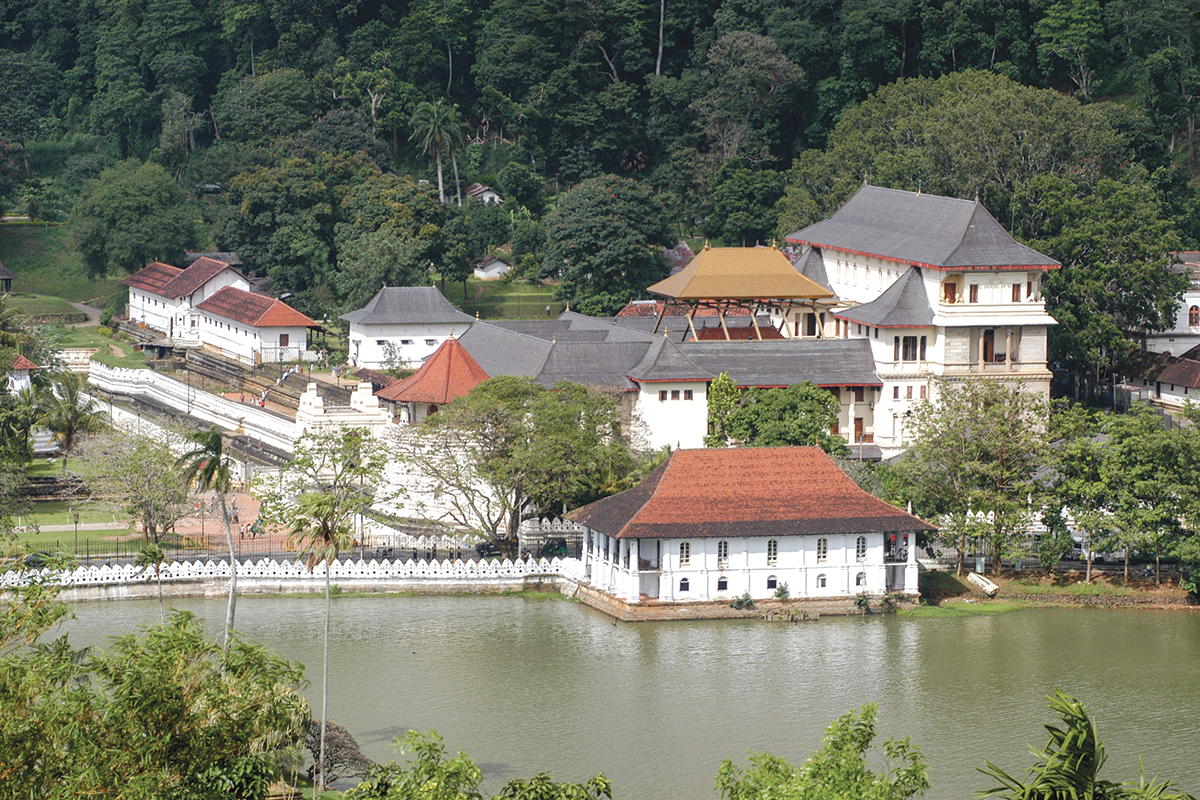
(331, 479)
(140, 471)
(800, 415)
(209, 465)
(975, 448)
(605, 237)
(132, 215)
(439, 130)
(723, 398)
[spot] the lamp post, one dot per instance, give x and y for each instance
(76, 534)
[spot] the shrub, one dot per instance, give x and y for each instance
(782, 593)
(742, 603)
(863, 603)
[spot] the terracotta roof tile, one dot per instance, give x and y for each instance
(254, 310)
(449, 373)
(200, 272)
(770, 491)
(153, 278)
(21, 362)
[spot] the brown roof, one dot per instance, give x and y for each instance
(752, 491)
(21, 362)
(650, 308)
(6, 274)
(1163, 368)
(153, 278)
(254, 310)
(739, 273)
(200, 272)
(449, 373)
(739, 333)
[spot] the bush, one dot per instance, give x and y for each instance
(782, 593)
(742, 603)
(863, 603)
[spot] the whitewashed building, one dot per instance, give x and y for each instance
(938, 288)
(253, 329)
(1184, 335)
(164, 298)
(401, 326)
(713, 525)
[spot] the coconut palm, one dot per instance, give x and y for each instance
(323, 525)
(437, 127)
(209, 466)
(67, 411)
(152, 555)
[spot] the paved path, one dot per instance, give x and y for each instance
(93, 316)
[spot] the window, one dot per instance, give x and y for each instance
(922, 392)
(1194, 316)
(860, 548)
(822, 549)
(910, 348)
(722, 554)
(974, 293)
(860, 579)
(662, 396)
(1029, 288)
(685, 554)
(924, 340)
(674, 394)
(772, 551)
(895, 392)
(1016, 295)
(381, 342)
(722, 584)
(406, 341)
(687, 394)
(821, 581)
(772, 582)
(283, 340)
(684, 585)
(431, 342)
(908, 393)
(836, 392)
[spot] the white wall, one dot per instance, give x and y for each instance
(239, 341)
(151, 309)
(366, 350)
(679, 423)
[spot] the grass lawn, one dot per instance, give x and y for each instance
(58, 512)
(114, 351)
(36, 305)
(46, 264)
(503, 300)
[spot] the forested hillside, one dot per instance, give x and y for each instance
(301, 132)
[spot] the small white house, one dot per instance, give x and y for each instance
(713, 525)
(164, 298)
(402, 325)
(254, 329)
(484, 194)
(20, 374)
(491, 268)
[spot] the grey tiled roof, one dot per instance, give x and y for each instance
(904, 304)
(825, 362)
(811, 264)
(503, 352)
(394, 305)
(602, 364)
(923, 229)
(664, 361)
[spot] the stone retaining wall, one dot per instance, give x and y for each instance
(653, 611)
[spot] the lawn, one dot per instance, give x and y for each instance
(113, 351)
(37, 305)
(46, 264)
(502, 299)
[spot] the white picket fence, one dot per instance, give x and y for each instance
(271, 570)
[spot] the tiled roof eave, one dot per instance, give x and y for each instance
(942, 267)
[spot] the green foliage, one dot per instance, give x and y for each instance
(743, 602)
(782, 592)
(428, 775)
(131, 215)
(975, 449)
(605, 236)
(66, 410)
(800, 415)
(838, 771)
(723, 398)
(1070, 764)
(742, 202)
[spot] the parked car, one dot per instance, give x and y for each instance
(488, 550)
(554, 546)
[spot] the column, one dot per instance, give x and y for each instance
(635, 577)
(910, 565)
(1008, 351)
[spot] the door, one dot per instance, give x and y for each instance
(858, 429)
(951, 292)
(989, 345)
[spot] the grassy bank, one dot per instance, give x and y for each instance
(502, 300)
(46, 264)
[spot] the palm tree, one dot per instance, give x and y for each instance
(458, 142)
(67, 411)
(437, 126)
(209, 466)
(323, 523)
(152, 555)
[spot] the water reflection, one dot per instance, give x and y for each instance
(525, 685)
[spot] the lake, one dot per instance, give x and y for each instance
(525, 685)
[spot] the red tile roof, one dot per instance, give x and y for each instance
(201, 271)
(153, 278)
(752, 491)
(739, 333)
(255, 310)
(21, 362)
(650, 308)
(449, 373)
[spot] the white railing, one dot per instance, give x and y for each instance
(296, 571)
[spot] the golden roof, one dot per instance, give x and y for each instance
(739, 273)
